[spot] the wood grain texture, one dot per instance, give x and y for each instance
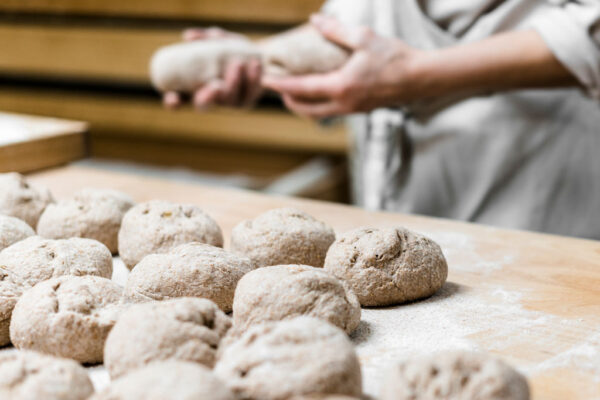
(557, 277)
(264, 11)
(45, 142)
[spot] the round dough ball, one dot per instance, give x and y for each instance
(90, 213)
(387, 266)
(324, 397)
(454, 376)
(13, 230)
(186, 329)
(10, 291)
(19, 198)
(277, 360)
(287, 291)
(69, 316)
(27, 375)
(167, 380)
(158, 226)
(283, 236)
(190, 270)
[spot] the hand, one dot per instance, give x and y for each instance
(239, 87)
(379, 73)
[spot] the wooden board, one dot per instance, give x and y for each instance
(265, 11)
(30, 143)
(531, 299)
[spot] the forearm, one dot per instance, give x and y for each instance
(513, 60)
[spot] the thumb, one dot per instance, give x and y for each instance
(350, 37)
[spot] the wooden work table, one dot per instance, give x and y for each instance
(531, 299)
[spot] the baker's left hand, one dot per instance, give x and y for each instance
(379, 73)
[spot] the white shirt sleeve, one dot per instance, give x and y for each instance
(571, 29)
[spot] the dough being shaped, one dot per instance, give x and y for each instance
(387, 266)
(454, 375)
(283, 236)
(90, 213)
(277, 360)
(13, 230)
(287, 291)
(69, 317)
(189, 270)
(167, 380)
(185, 329)
(27, 375)
(301, 51)
(21, 199)
(35, 259)
(184, 67)
(159, 226)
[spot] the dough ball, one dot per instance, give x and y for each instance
(167, 380)
(283, 236)
(13, 230)
(19, 198)
(27, 375)
(189, 270)
(184, 67)
(277, 360)
(454, 376)
(69, 316)
(10, 291)
(324, 397)
(90, 213)
(387, 266)
(287, 291)
(158, 226)
(301, 51)
(186, 329)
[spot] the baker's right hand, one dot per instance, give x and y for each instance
(240, 85)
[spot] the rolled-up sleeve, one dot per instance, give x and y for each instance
(571, 29)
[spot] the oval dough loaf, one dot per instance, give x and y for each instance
(159, 226)
(387, 266)
(19, 198)
(90, 213)
(185, 329)
(454, 376)
(189, 270)
(277, 360)
(13, 230)
(283, 236)
(69, 317)
(36, 259)
(287, 291)
(27, 375)
(168, 380)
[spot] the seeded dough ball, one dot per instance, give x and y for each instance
(186, 329)
(13, 230)
(36, 259)
(27, 375)
(158, 226)
(288, 291)
(387, 266)
(19, 198)
(69, 316)
(283, 236)
(167, 380)
(189, 270)
(277, 360)
(454, 376)
(90, 213)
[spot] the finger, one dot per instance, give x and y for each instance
(253, 86)
(322, 86)
(207, 95)
(313, 110)
(233, 83)
(351, 37)
(171, 100)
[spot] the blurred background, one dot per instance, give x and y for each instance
(87, 60)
